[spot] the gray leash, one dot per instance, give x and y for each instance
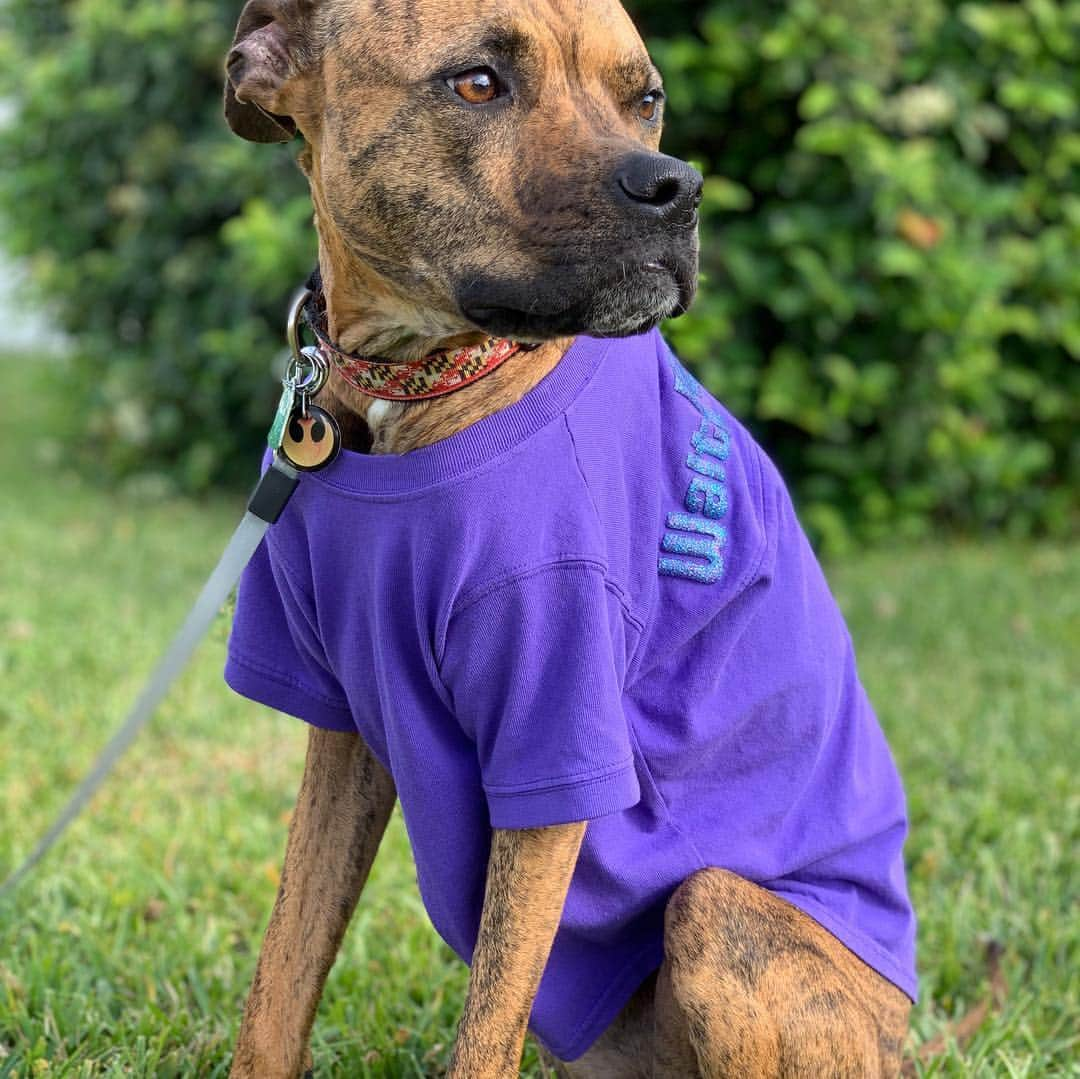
(266, 506)
(304, 438)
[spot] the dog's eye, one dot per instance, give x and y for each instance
(478, 87)
(649, 108)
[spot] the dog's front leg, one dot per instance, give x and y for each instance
(528, 878)
(345, 801)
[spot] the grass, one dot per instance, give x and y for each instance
(130, 950)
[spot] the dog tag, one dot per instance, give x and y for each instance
(286, 408)
(312, 439)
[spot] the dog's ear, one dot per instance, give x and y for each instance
(271, 46)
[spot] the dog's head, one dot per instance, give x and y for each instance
(498, 163)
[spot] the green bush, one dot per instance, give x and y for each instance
(892, 251)
(892, 295)
(164, 245)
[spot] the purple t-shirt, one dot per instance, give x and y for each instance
(595, 605)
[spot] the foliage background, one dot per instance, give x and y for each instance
(892, 298)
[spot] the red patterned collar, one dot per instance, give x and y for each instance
(435, 375)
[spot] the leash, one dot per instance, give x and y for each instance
(304, 438)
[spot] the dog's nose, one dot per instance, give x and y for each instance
(663, 187)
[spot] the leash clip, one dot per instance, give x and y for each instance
(308, 369)
(308, 372)
(296, 315)
(306, 436)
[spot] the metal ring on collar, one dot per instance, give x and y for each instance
(296, 315)
(309, 371)
(308, 368)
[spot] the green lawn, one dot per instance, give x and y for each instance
(129, 952)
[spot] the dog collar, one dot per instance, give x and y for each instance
(435, 375)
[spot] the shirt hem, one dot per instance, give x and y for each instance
(607, 1008)
(866, 948)
(248, 680)
(566, 803)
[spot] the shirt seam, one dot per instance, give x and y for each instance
(483, 465)
(289, 569)
(628, 614)
(289, 683)
(558, 783)
(768, 525)
(519, 573)
(612, 586)
(310, 616)
(581, 471)
(482, 592)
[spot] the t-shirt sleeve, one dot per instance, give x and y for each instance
(535, 670)
(275, 656)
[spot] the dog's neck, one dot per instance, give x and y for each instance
(367, 316)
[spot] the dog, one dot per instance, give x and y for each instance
(566, 612)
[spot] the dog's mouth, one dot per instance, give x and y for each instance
(628, 302)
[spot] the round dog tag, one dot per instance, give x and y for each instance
(313, 441)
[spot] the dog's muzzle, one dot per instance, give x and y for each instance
(640, 268)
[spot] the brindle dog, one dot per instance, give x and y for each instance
(493, 168)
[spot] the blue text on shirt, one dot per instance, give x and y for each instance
(696, 538)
